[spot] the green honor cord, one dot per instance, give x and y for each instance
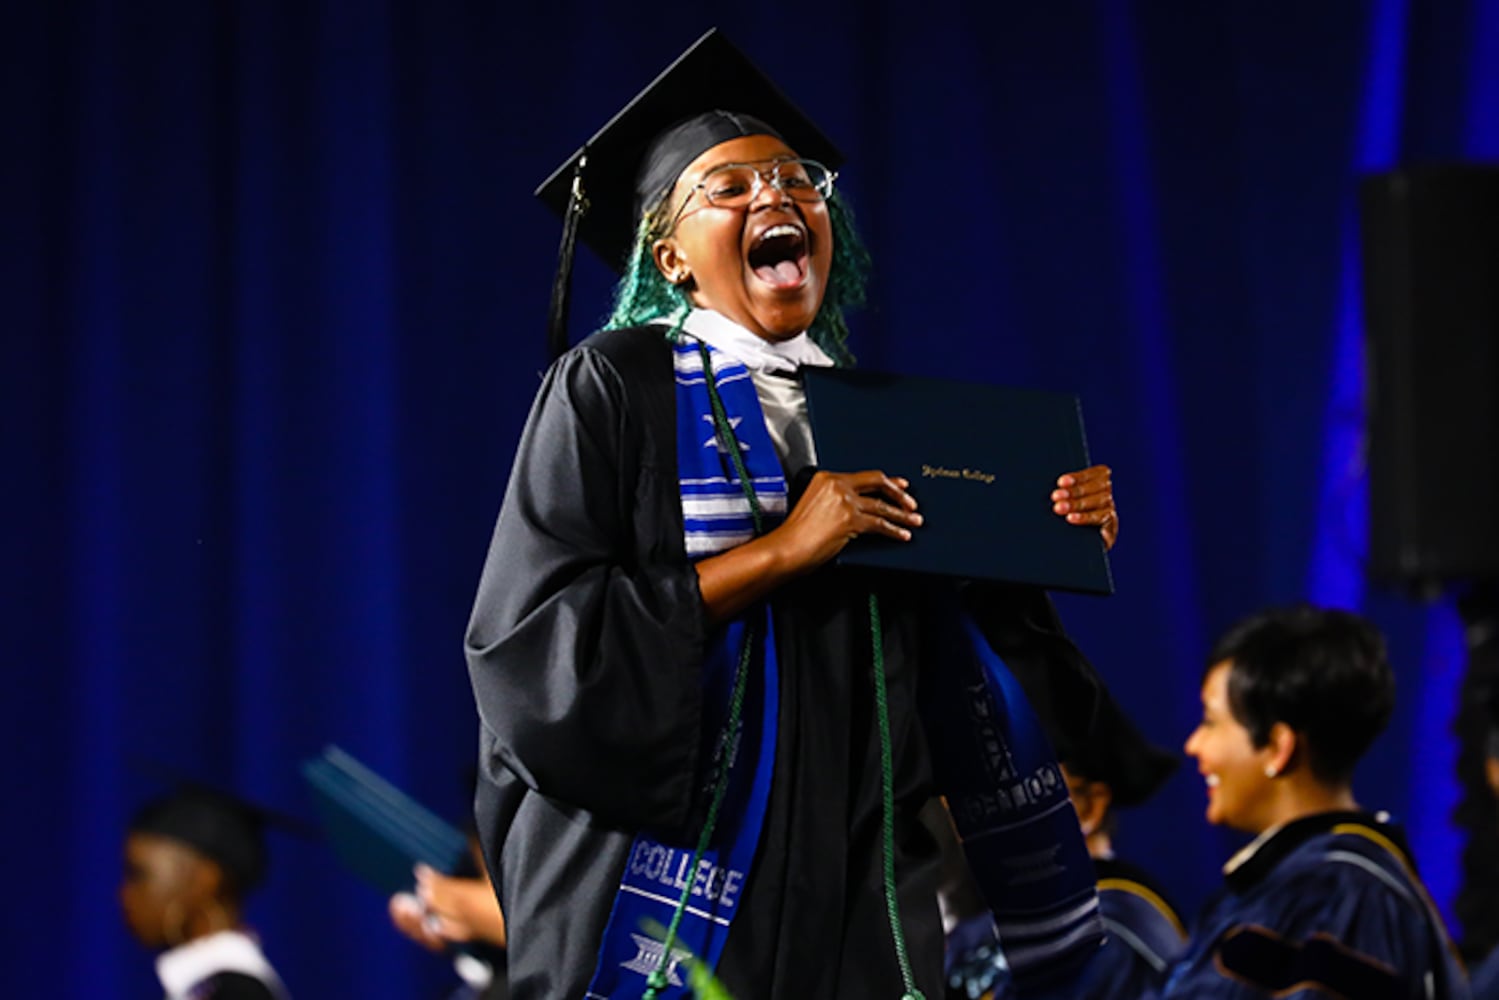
(887, 794)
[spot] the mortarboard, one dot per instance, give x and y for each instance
(227, 829)
(223, 826)
(1118, 755)
(711, 93)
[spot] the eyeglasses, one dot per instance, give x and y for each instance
(735, 185)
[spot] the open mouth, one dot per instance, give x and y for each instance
(778, 256)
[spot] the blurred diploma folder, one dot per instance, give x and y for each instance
(981, 460)
(378, 831)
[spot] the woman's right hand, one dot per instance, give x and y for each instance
(838, 507)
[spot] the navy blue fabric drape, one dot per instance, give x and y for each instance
(273, 297)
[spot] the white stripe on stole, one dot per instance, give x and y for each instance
(721, 380)
(712, 508)
(690, 360)
(1034, 954)
(688, 363)
(702, 543)
(1030, 928)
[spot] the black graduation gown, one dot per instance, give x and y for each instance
(584, 651)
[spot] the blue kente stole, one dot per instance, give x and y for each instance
(716, 516)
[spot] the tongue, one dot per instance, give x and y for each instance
(782, 275)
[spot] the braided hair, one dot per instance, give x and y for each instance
(643, 294)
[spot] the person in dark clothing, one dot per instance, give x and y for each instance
(1325, 900)
(190, 860)
(702, 746)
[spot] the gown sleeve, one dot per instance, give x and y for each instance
(588, 631)
(1337, 931)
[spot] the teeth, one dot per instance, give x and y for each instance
(784, 229)
(1211, 779)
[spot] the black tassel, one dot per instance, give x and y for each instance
(577, 205)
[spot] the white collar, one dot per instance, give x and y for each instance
(185, 966)
(754, 352)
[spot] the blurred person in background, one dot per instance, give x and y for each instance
(191, 858)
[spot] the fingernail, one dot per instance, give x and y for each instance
(919, 519)
(905, 535)
(1059, 494)
(1060, 508)
(1074, 518)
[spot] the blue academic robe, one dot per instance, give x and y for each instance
(1329, 905)
(1144, 935)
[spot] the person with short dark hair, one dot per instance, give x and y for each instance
(191, 858)
(1325, 900)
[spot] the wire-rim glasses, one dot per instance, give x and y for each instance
(735, 185)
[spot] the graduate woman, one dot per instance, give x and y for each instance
(702, 747)
(190, 860)
(1325, 901)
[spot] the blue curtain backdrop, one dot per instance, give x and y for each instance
(273, 303)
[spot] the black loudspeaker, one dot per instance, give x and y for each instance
(1431, 312)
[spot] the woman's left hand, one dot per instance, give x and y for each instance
(1087, 497)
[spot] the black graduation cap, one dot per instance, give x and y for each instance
(224, 827)
(711, 93)
(1117, 755)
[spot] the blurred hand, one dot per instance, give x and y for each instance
(1087, 497)
(446, 910)
(460, 909)
(410, 918)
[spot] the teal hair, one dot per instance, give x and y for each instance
(643, 294)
